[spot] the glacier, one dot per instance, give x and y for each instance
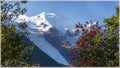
(46, 47)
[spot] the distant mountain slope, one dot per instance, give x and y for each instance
(50, 35)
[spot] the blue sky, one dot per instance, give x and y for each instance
(74, 11)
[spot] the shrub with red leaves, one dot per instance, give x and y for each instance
(97, 46)
(88, 32)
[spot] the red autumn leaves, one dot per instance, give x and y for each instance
(87, 32)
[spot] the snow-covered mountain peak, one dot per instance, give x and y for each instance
(43, 22)
(38, 22)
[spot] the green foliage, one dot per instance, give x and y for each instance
(13, 50)
(105, 45)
